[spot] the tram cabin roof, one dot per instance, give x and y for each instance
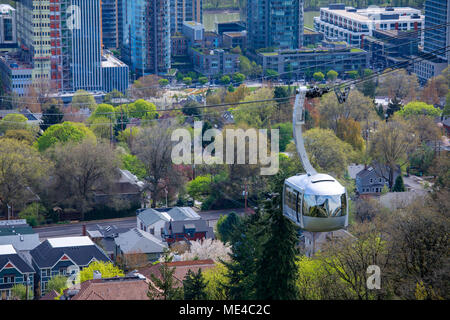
(319, 184)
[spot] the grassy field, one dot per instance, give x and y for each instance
(209, 19)
(309, 18)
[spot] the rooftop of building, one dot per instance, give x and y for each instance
(13, 61)
(373, 13)
(6, 8)
(193, 24)
(235, 34)
(110, 61)
(337, 46)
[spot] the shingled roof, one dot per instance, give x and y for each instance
(80, 250)
(10, 258)
(123, 288)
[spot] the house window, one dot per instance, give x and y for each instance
(371, 180)
(152, 231)
(8, 279)
(62, 271)
(46, 272)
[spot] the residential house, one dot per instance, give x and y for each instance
(153, 221)
(60, 256)
(14, 269)
(133, 287)
(104, 236)
(19, 234)
(126, 187)
(136, 241)
(181, 269)
(187, 231)
(372, 179)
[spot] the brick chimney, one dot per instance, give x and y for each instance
(84, 230)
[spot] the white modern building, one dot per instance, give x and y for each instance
(338, 22)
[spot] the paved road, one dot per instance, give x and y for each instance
(76, 229)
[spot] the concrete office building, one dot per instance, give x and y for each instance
(341, 23)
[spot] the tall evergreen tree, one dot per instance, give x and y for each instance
(52, 115)
(399, 186)
(393, 106)
(276, 271)
(194, 286)
(246, 250)
(164, 287)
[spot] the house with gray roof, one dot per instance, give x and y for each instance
(60, 256)
(153, 221)
(372, 179)
(187, 230)
(137, 241)
(19, 234)
(14, 269)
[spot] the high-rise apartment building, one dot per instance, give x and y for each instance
(184, 10)
(33, 36)
(146, 36)
(8, 33)
(436, 41)
(275, 23)
(110, 23)
(437, 12)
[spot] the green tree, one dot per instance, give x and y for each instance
(202, 80)
(286, 134)
(133, 164)
(353, 74)
(187, 81)
(393, 106)
(332, 75)
(19, 292)
(399, 186)
(226, 226)
(194, 286)
(142, 109)
(276, 271)
(34, 214)
(349, 130)
(318, 76)
(238, 78)
(164, 287)
(83, 99)
(192, 108)
(216, 281)
(419, 108)
(271, 74)
(107, 269)
(63, 133)
(246, 251)
(103, 110)
(57, 283)
(21, 167)
(225, 80)
(163, 82)
(52, 115)
(199, 187)
(256, 115)
(328, 152)
(13, 121)
(20, 135)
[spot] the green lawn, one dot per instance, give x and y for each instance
(309, 18)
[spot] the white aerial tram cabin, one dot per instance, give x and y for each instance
(315, 202)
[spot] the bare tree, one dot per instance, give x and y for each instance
(390, 147)
(81, 171)
(153, 146)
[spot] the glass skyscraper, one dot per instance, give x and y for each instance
(275, 23)
(437, 12)
(184, 10)
(146, 36)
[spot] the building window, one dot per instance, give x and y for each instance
(371, 180)
(46, 273)
(8, 279)
(62, 271)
